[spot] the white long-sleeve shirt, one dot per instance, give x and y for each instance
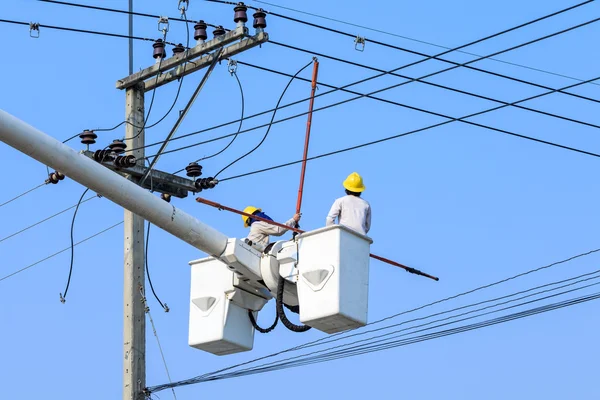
(260, 232)
(353, 212)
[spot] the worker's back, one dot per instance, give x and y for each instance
(353, 212)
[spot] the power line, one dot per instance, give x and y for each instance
(427, 56)
(315, 15)
(87, 31)
(113, 10)
(269, 128)
(394, 136)
(552, 90)
(60, 252)
(234, 73)
(45, 219)
(327, 339)
(386, 345)
(419, 41)
(163, 305)
(420, 81)
(22, 194)
(63, 298)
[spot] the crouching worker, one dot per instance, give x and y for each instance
(260, 230)
(352, 211)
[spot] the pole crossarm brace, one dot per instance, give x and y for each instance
(158, 181)
(205, 61)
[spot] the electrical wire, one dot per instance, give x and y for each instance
(552, 90)
(63, 298)
(22, 194)
(382, 346)
(59, 252)
(270, 124)
(391, 137)
(319, 16)
(437, 56)
(119, 11)
(46, 219)
(62, 28)
(234, 73)
(163, 305)
(419, 41)
(162, 354)
(426, 83)
(329, 338)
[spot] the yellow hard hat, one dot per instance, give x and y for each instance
(354, 183)
(249, 210)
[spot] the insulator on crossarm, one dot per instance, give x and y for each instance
(260, 20)
(178, 49)
(193, 170)
(240, 17)
(200, 31)
(55, 177)
(219, 31)
(117, 146)
(159, 50)
(88, 137)
(125, 161)
(206, 183)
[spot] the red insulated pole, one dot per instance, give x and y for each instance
(307, 139)
(385, 260)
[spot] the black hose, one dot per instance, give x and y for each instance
(258, 328)
(281, 313)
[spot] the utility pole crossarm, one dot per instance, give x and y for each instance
(205, 61)
(182, 58)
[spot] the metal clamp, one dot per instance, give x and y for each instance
(163, 25)
(359, 43)
(183, 5)
(34, 27)
(232, 66)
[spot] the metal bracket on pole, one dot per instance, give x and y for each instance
(158, 181)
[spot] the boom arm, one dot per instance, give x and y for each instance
(114, 187)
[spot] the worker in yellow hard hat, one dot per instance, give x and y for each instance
(351, 210)
(260, 230)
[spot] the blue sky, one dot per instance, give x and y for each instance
(466, 204)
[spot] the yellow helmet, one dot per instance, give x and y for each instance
(249, 210)
(354, 183)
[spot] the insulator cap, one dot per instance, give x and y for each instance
(55, 177)
(178, 49)
(193, 170)
(219, 31)
(88, 137)
(117, 146)
(240, 13)
(166, 197)
(200, 31)
(260, 20)
(159, 49)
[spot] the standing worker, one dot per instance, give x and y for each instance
(352, 211)
(260, 230)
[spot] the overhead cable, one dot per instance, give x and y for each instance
(60, 252)
(394, 136)
(270, 124)
(342, 335)
(418, 40)
(22, 194)
(46, 219)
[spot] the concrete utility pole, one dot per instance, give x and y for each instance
(134, 317)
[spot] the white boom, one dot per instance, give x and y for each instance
(114, 187)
